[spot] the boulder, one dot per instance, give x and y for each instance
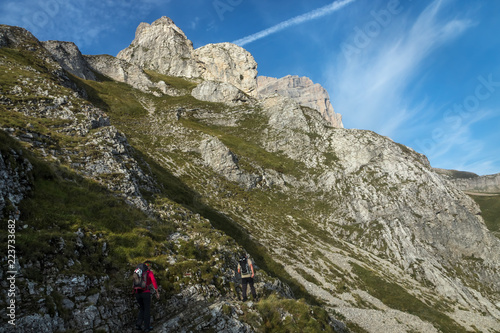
(212, 91)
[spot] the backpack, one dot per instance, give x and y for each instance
(140, 276)
(245, 269)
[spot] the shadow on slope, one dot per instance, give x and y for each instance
(177, 191)
(120, 101)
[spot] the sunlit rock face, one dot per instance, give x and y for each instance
(303, 91)
(162, 47)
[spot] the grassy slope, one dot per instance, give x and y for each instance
(239, 140)
(62, 203)
(120, 102)
(68, 203)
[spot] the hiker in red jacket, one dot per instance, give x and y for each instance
(143, 297)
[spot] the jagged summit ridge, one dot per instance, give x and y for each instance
(163, 47)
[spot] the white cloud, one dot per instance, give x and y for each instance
(333, 7)
(369, 79)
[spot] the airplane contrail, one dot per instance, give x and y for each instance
(328, 9)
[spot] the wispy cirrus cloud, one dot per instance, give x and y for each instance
(370, 85)
(377, 87)
(317, 13)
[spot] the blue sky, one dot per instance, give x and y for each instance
(424, 73)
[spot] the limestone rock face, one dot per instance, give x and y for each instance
(119, 70)
(70, 58)
(303, 91)
(226, 62)
(162, 47)
(212, 91)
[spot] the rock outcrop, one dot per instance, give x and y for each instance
(303, 91)
(217, 156)
(122, 71)
(70, 58)
(212, 91)
(16, 37)
(15, 172)
(229, 63)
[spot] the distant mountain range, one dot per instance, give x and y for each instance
(468, 181)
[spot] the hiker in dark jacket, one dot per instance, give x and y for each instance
(143, 297)
(247, 274)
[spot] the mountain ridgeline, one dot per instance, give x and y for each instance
(185, 157)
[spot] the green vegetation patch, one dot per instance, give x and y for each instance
(25, 62)
(118, 98)
(247, 149)
(285, 315)
(490, 208)
(175, 82)
(307, 276)
(62, 203)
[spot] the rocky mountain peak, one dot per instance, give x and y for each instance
(303, 91)
(163, 22)
(162, 47)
